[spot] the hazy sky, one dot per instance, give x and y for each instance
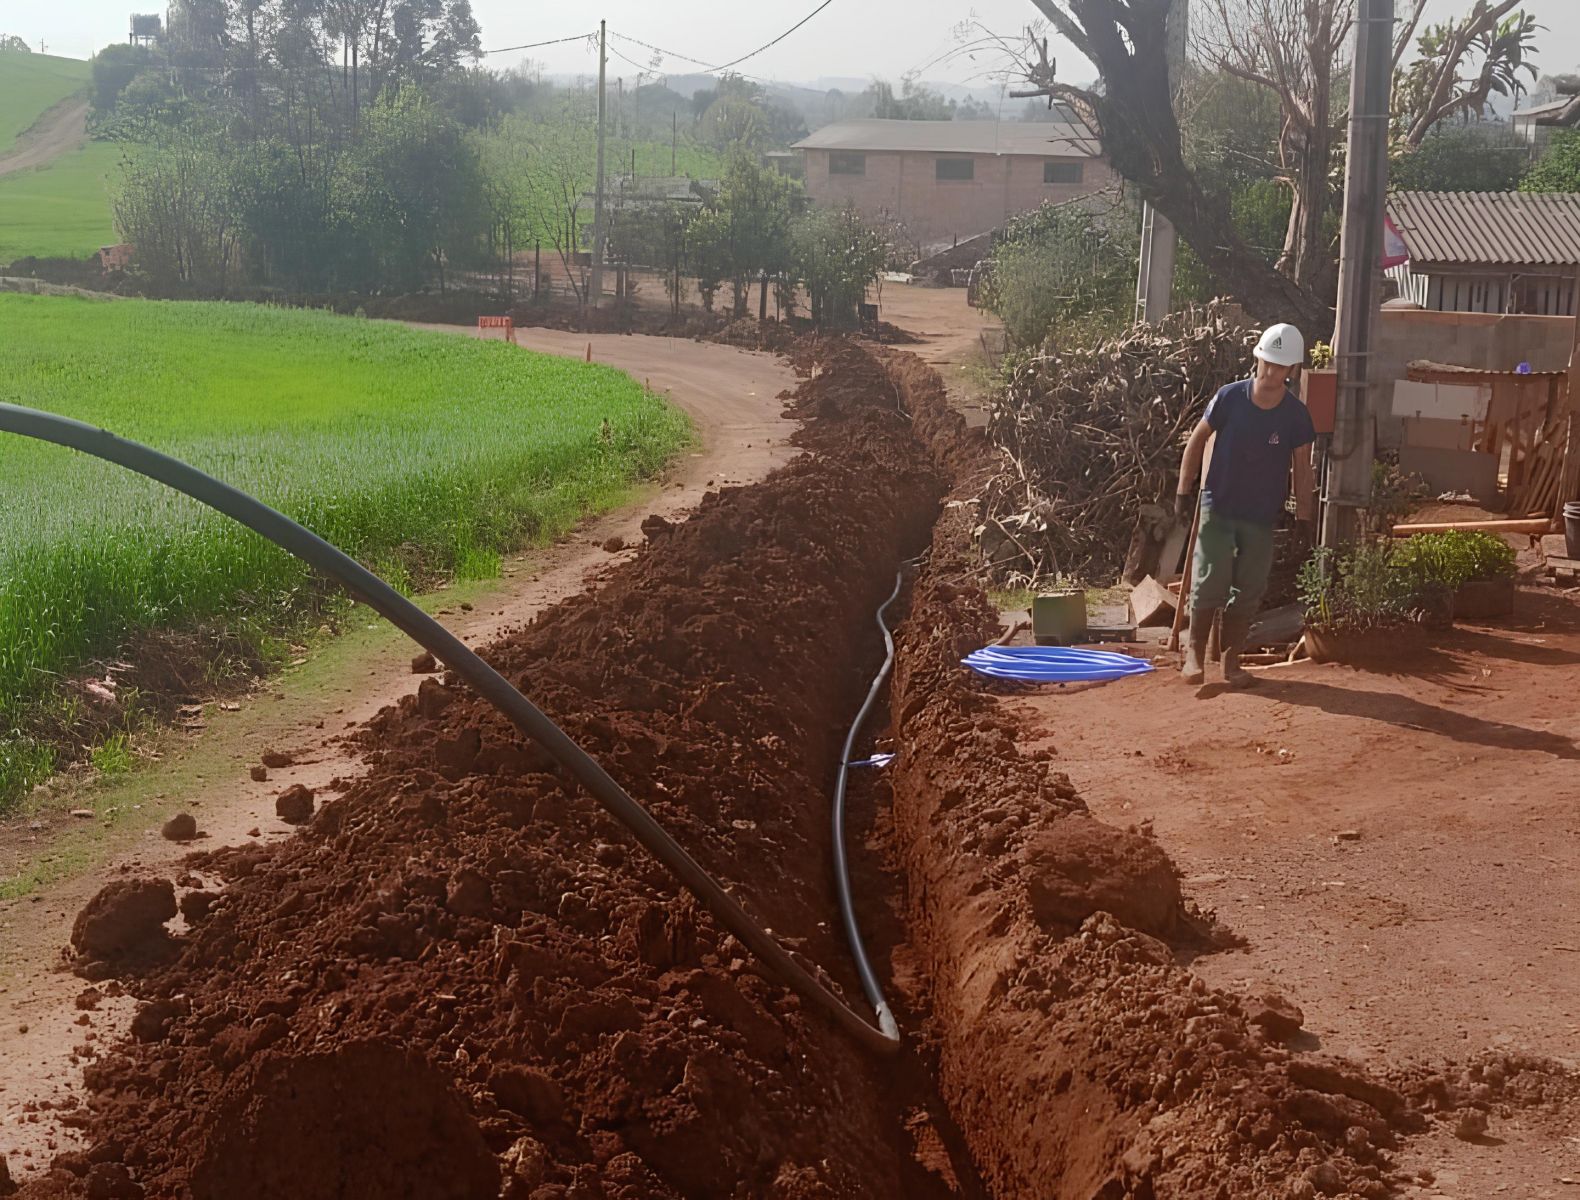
(856, 38)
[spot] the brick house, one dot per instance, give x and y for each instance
(947, 181)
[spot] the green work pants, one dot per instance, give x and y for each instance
(1232, 562)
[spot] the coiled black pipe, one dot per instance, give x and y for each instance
(448, 649)
(847, 907)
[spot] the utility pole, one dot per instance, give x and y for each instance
(1159, 241)
(595, 288)
(1347, 486)
(674, 140)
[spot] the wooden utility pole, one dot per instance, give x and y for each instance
(595, 288)
(1349, 475)
(674, 140)
(1159, 241)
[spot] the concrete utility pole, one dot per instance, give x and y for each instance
(1159, 241)
(1349, 475)
(595, 288)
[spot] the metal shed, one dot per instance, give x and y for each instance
(1489, 252)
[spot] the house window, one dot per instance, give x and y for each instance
(845, 162)
(1061, 172)
(956, 168)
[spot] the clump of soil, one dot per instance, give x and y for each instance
(294, 806)
(123, 916)
(1080, 867)
(365, 1119)
(180, 828)
(468, 903)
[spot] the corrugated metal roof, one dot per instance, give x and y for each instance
(1489, 228)
(1045, 138)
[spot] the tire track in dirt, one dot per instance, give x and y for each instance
(57, 132)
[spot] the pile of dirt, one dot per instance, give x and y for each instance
(464, 952)
(1078, 1057)
(753, 334)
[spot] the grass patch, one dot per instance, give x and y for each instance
(423, 455)
(32, 84)
(61, 210)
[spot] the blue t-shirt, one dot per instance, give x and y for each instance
(1249, 476)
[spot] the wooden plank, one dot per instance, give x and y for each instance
(1152, 604)
(1533, 526)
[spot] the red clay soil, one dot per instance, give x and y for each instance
(461, 971)
(1079, 1059)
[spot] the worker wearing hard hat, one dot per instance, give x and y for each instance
(1259, 425)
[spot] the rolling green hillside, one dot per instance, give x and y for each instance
(32, 84)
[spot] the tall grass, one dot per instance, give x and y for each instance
(414, 452)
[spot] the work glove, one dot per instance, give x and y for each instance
(1185, 506)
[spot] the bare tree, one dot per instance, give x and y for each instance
(1295, 49)
(1132, 114)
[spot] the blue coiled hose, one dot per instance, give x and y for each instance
(1054, 664)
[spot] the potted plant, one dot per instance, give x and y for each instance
(1475, 566)
(1361, 606)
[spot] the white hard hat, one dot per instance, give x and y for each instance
(1283, 345)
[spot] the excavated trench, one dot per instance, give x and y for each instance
(463, 979)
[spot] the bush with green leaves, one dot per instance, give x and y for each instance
(1456, 557)
(1065, 264)
(1362, 588)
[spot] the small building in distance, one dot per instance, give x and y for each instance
(947, 181)
(1536, 124)
(1489, 252)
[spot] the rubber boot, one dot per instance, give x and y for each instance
(1194, 672)
(1235, 632)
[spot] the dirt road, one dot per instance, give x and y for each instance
(58, 131)
(951, 335)
(730, 394)
(1398, 850)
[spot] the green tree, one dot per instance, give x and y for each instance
(1062, 265)
(114, 68)
(838, 256)
(1558, 169)
(407, 196)
(1463, 158)
(744, 234)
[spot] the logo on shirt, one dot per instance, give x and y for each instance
(1273, 441)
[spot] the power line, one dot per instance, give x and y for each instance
(778, 39)
(625, 37)
(645, 69)
(580, 37)
(734, 61)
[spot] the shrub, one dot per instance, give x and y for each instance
(1456, 557)
(1357, 589)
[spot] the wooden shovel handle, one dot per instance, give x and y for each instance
(1185, 582)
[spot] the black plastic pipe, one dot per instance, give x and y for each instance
(847, 907)
(449, 649)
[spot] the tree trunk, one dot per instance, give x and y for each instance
(1134, 118)
(1308, 257)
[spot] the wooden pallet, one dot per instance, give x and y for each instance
(1562, 567)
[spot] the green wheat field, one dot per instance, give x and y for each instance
(421, 454)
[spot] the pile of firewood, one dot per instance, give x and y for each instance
(1088, 434)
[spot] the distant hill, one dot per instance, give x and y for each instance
(31, 85)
